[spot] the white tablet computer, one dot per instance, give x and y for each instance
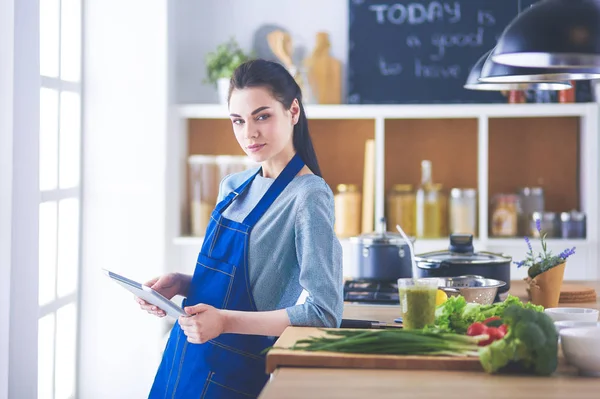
(147, 294)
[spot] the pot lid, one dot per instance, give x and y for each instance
(385, 238)
(461, 252)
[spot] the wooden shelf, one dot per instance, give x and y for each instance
(495, 148)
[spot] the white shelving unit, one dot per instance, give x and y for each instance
(584, 265)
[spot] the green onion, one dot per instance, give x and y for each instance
(393, 342)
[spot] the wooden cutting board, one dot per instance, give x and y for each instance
(575, 293)
(288, 358)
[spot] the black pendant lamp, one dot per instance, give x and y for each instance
(473, 82)
(492, 72)
(553, 34)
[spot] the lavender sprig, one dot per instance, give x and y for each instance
(545, 260)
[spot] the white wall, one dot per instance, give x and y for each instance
(202, 25)
(125, 120)
(20, 264)
(6, 143)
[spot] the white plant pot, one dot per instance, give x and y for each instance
(223, 89)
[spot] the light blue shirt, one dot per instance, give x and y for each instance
(292, 247)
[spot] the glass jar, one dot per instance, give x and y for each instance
(572, 224)
(532, 200)
(505, 214)
(463, 211)
(347, 204)
(204, 182)
(230, 164)
(549, 222)
(401, 203)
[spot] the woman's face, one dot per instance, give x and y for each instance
(262, 126)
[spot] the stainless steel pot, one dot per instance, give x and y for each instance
(381, 256)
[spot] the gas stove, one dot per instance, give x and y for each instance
(371, 292)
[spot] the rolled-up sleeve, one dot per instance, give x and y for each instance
(319, 255)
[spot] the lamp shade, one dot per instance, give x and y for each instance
(473, 82)
(492, 72)
(553, 34)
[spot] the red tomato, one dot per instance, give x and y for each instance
(504, 329)
(476, 329)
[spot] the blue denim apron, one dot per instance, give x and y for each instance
(231, 365)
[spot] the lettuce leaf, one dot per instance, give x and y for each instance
(456, 315)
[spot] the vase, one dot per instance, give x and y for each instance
(544, 289)
(223, 89)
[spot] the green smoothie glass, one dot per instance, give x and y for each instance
(417, 301)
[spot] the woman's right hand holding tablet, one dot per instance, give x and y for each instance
(168, 285)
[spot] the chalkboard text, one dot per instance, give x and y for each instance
(417, 13)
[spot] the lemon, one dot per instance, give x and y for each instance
(440, 297)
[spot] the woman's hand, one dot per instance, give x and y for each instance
(168, 286)
(204, 323)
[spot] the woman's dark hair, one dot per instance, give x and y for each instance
(275, 78)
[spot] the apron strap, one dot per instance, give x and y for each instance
(221, 206)
(280, 183)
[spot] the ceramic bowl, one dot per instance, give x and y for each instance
(560, 325)
(572, 314)
(581, 348)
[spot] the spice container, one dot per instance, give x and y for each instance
(204, 188)
(463, 211)
(572, 224)
(347, 204)
(504, 220)
(549, 223)
(401, 202)
(532, 200)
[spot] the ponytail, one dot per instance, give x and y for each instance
(303, 143)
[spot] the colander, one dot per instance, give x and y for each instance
(475, 289)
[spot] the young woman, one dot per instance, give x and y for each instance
(270, 236)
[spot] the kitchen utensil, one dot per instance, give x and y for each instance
(324, 72)
(574, 293)
(382, 256)
(368, 201)
(475, 289)
(350, 323)
(575, 314)
(461, 260)
(581, 347)
(284, 357)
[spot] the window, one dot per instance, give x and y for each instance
(60, 196)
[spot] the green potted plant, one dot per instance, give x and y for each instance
(545, 271)
(220, 65)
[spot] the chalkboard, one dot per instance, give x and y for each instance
(419, 51)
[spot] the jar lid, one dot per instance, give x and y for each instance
(342, 188)
(463, 193)
(460, 252)
(527, 191)
(573, 215)
(402, 187)
(544, 216)
(202, 159)
(385, 238)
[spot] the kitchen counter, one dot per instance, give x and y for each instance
(289, 382)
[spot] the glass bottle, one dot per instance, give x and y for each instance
(429, 207)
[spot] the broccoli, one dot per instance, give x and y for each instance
(530, 345)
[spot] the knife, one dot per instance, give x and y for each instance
(351, 323)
